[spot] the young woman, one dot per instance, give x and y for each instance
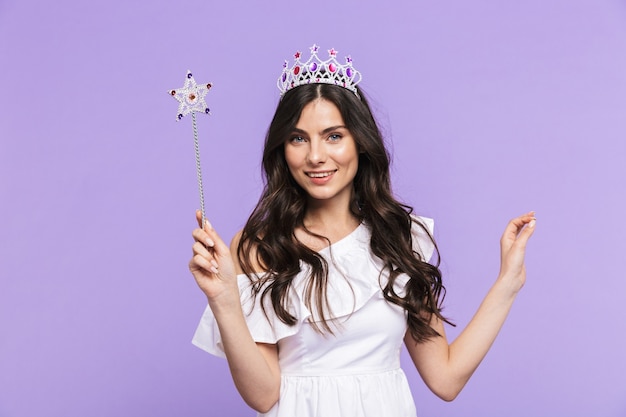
(330, 275)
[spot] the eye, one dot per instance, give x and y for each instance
(334, 137)
(297, 139)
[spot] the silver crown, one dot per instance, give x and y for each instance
(316, 71)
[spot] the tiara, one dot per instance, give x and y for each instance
(317, 71)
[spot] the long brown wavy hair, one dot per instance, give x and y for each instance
(268, 239)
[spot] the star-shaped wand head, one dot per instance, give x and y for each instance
(191, 97)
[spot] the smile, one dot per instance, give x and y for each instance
(320, 174)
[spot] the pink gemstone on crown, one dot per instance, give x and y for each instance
(332, 67)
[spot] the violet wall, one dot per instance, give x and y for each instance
(493, 108)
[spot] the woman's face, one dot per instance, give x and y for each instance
(321, 153)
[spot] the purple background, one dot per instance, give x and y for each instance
(494, 108)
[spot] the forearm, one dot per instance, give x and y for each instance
(256, 378)
(471, 346)
(446, 368)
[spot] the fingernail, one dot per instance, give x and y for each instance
(532, 223)
(214, 270)
(215, 265)
(209, 242)
(208, 223)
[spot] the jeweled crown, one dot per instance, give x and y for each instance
(316, 71)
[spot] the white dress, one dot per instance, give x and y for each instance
(355, 372)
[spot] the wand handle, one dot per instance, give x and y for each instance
(198, 166)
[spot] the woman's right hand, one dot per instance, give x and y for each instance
(212, 264)
(254, 366)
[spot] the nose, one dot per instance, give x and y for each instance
(317, 152)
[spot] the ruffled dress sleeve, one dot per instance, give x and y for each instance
(264, 329)
(422, 239)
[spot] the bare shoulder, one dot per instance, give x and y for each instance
(234, 244)
(253, 259)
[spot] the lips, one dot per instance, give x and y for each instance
(322, 174)
(320, 177)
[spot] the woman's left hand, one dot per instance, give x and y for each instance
(513, 248)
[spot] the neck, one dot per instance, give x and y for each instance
(331, 220)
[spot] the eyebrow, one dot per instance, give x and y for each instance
(323, 132)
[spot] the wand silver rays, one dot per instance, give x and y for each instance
(191, 100)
